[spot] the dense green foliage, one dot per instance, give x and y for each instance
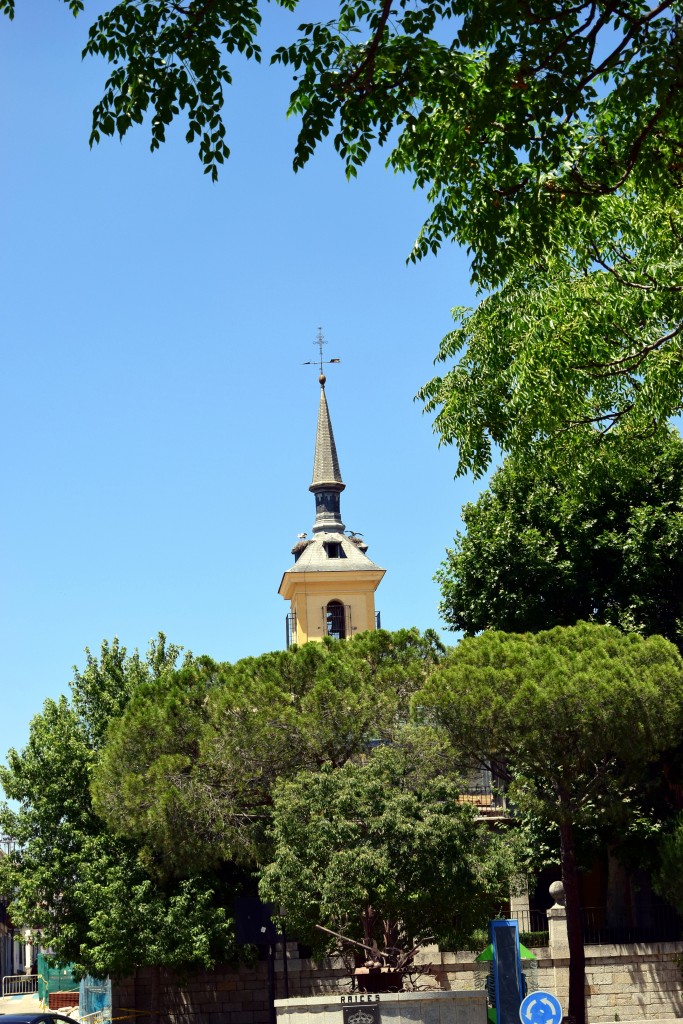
(572, 717)
(547, 139)
(182, 763)
(546, 546)
(586, 335)
(87, 890)
(512, 116)
(382, 851)
(188, 771)
(269, 762)
(604, 703)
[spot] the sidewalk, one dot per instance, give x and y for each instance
(20, 1004)
(29, 1004)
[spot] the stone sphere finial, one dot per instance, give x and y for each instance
(556, 890)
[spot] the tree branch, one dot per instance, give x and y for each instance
(610, 59)
(616, 275)
(570, 35)
(612, 417)
(633, 358)
(654, 286)
(599, 188)
(365, 67)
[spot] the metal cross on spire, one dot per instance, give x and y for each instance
(320, 341)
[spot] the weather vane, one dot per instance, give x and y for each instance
(320, 341)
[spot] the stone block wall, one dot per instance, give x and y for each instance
(633, 982)
(395, 1008)
(624, 983)
(226, 995)
(310, 977)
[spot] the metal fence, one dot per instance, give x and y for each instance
(96, 1017)
(658, 924)
(95, 1000)
(530, 920)
(19, 984)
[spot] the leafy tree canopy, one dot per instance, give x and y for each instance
(544, 546)
(512, 116)
(572, 716)
(588, 335)
(84, 888)
(547, 139)
(188, 771)
(383, 851)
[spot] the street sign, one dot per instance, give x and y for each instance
(540, 1008)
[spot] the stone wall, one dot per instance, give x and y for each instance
(226, 995)
(395, 1008)
(634, 982)
(624, 983)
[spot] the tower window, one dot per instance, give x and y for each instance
(333, 549)
(334, 617)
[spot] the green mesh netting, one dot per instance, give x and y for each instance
(58, 978)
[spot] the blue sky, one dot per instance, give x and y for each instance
(157, 422)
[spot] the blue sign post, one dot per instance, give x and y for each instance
(540, 1008)
(507, 970)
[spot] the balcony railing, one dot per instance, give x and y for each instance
(489, 800)
(290, 629)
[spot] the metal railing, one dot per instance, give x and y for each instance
(487, 799)
(19, 984)
(97, 1017)
(290, 629)
(337, 620)
(535, 921)
(659, 924)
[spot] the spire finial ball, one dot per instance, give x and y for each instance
(322, 378)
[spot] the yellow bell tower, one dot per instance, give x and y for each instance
(331, 586)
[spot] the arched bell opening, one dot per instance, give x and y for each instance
(335, 620)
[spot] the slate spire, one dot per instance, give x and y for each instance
(327, 483)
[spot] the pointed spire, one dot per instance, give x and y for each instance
(325, 463)
(327, 482)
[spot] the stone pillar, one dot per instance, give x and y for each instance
(519, 903)
(559, 943)
(17, 950)
(557, 923)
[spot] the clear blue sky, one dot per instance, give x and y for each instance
(157, 423)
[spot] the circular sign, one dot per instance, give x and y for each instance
(540, 1008)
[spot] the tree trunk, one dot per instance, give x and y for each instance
(577, 956)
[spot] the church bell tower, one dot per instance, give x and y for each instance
(331, 586)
